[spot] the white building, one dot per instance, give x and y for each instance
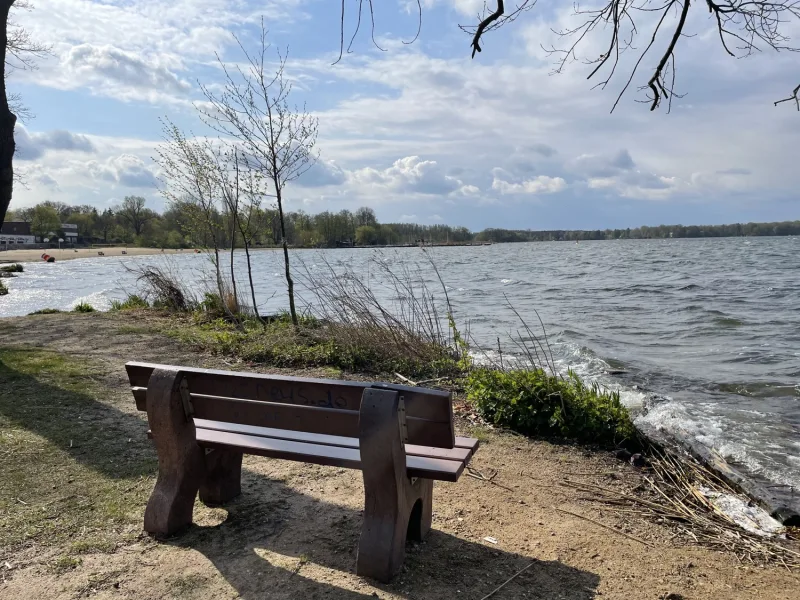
(13, 233)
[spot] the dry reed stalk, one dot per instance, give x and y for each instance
(675, 481)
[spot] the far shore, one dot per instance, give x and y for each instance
(35, 255)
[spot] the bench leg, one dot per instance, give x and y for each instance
(223, 480)
(180, 460)
(419, 522)
(395, 508)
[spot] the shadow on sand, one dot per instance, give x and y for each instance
(273, 533)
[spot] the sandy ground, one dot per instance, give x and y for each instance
(21, 256)
(293, 533)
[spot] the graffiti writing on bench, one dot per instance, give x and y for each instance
(303, 396)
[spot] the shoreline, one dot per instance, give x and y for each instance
(35, 254)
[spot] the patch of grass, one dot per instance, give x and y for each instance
(187, 585)
(3, 288)
(65, 563)
(133, 329)
(15, 268)
(92, 545)
(46, 311)
(74, 467)
(479, 432)
(315, 343)
(132, 302)
(83, 307)
(533, 402)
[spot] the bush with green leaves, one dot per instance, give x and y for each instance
(534, 402)
(132, 302)
(83, 307)
(15, 268)
(46, 311)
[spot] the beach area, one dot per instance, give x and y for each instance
(35, 255)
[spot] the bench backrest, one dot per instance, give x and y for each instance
(322, 406)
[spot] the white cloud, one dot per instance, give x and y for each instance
(409, 174)
(538, 185)
(127, 170)
(115, 72)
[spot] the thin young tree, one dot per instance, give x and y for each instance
(190, 182)
(225, 162)
(249, 220)
(277, 139)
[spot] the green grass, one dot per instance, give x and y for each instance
(15, 268)
(65, 563)
(76, 471)
(187, 586)
(83, 307)
(46, 311)
(130, 303)
(277, 342)
(535, 403)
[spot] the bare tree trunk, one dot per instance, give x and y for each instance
(233, 247)
(7, 121)
(250, 277)
(289, 282)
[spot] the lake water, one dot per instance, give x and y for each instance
(707, 331)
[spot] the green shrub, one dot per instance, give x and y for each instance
(46, 311)
(3, 288)
(83, 307)
(535, 403)
(130, 303)
(15, 268)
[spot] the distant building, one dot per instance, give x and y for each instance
(70, 232)
(16, 232)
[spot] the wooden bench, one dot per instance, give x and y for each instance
(203, 421)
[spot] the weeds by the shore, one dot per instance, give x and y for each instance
(3, 288)
(132, 302)
(83, 307)
(15, 268)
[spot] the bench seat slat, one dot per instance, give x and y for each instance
(336, 456)
(463, 450)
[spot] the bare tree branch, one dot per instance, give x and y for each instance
(791, 98)
(743, 27)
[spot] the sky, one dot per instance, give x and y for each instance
(420, 132)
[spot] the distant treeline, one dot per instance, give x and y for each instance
(133, 223)
(642, 233)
